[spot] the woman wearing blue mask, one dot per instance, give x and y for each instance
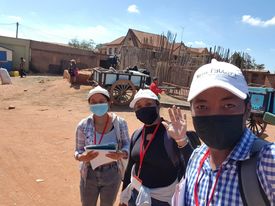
(101, 127)
(158, 154)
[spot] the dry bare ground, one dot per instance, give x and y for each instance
(37, 140)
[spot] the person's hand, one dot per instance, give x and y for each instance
(117, 155)
(85, 157)
(178, 125)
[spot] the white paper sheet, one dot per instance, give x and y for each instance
(101, 159)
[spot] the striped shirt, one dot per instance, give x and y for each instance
(227, 191)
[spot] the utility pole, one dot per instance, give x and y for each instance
(17, 24)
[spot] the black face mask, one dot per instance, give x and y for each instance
(219, 131)
(147, 115)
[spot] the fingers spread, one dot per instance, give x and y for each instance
(175, 111)
(179, 113)
(165, 124)
(171, 115)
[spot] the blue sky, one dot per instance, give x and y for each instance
(240, 25)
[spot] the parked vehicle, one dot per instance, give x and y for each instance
(122, 85)
(262, 109)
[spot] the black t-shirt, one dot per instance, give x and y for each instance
(157, 168)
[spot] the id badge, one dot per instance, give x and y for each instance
(136, 182)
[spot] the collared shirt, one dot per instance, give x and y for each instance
(85, 136)
(227, 191)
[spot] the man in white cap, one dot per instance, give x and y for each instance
(220, 106)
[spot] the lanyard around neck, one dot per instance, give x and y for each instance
(206, 155)
(143, 151)
(103, 132)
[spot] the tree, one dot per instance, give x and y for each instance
(237, 59)
(98, 46)
(245, 61)
(84, 44)
(259, 66)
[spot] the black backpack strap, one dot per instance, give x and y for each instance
(193, 139)
(251, 191)
(169, 145)
(135, 136)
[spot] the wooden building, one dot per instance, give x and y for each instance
(259, 78)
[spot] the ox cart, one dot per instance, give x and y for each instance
(122, 85)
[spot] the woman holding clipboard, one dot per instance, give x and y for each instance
(101, 127)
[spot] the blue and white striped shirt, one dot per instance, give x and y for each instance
(227, 191)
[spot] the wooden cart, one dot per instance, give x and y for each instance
(122, 85)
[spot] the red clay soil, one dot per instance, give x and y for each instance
(37, 140)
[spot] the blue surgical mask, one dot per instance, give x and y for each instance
(99, 109)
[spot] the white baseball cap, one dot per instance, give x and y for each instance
(218, 74)
(143, 93)
(98, 90)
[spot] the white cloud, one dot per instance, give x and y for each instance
(10, 18)
(248, 49)
(257, 21)
(133, 9)
(196, 44)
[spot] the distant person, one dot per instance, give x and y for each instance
(101, 127)
(22, 72)
(114, 61)
(73, 71)
(135, 68)
(154, 87)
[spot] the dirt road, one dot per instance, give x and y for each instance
(37, 140)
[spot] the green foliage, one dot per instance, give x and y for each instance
(245, 61)
(84, 44)
(98, 46)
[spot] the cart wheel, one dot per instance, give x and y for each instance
(256, 124)
(122, 92)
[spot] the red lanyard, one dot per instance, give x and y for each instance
(196, 183)
(142, 151)
(105, 127)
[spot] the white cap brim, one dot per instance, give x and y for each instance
(98, 90)
(216, 83)
(143, 94)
